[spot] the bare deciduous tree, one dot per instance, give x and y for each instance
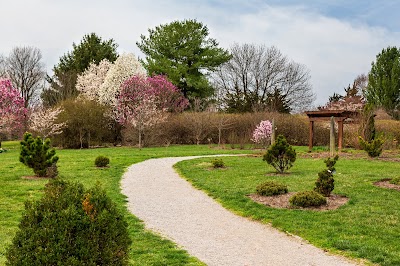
(255, 73)
(26, 71)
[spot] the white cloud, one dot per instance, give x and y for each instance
(335, 51)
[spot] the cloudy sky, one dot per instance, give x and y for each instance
(336, 39)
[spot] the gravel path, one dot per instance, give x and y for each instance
(170, 206)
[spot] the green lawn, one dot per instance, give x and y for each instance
(78, 165)
(367, 227)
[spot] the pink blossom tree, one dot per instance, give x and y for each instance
(262, 133)
(144, 102)
(43, 121)
(12, 109)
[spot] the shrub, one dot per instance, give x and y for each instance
(101, 161)
(281, 155)
(373, 148)
(70, 226)
(307, 199)
(218, 163)
(52, 171)
(271, 188)
(37, 154)
(395, 181)
(325, 182)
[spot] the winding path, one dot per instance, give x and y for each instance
(170, 206)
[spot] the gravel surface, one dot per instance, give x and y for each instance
(171, 206)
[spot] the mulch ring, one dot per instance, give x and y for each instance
(385, 183)
(282, 201)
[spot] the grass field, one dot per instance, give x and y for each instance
(367, 227)
(78, 165)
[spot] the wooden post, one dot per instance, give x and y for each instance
(273, 132)
(332, 137)
(340, 134)
(311, 136)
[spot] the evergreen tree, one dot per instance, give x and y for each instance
(183, 51)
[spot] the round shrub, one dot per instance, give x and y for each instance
(271, 188)
(395, 181)
(218, 163)
(101, 161)
(307, 199)
(70, 225)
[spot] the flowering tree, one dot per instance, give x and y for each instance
(144, 102)
(89, 82)
(12, 110)
(43, 121)
(262, 133)
(123, 68)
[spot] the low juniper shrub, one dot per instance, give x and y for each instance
(373, 148)
(280, 155)
(218, 163)
(101, 161)
(70, 225)
(395, 181)
(307, 199)
(270, 188)
(325, 182)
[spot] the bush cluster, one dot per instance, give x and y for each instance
(325, 182)
(218, 163)
(281, 155)
(101, 161)
(307, 199)
(70, 225)
(271, 188)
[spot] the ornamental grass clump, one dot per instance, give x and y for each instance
(307, 199)
(280, 155)
(325, 182)
(271, 188)
(70, 225)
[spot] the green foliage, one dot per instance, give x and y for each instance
(91, 49)
(271, 188)
(183, 51)
(87, 125)
(325, 182)
(373, 148)
(37, 154)
(395, 181)
(101, 161)
(70, 225)
(307, 199)
(218, 163)
(383, 88)
(281, 155)
(368, 123)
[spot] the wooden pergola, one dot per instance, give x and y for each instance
(324, 115)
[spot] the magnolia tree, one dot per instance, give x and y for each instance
(262, 133)
(12, 110)
(123, 68)
(43, 122)
(89, 82)
(145, 102)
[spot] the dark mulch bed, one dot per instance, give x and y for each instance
(282, 201)
(385, 183)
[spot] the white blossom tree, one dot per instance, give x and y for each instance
(123, 68)
(89, 82)
(43, 122)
